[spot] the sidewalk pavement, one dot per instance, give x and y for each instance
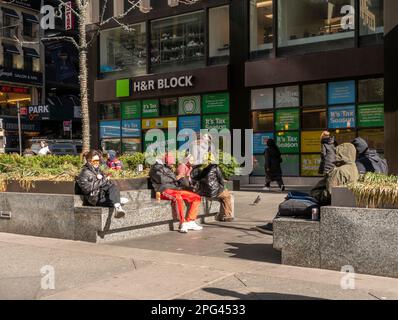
(222, 262)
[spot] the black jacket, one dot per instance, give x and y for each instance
(163, 178)
(90, 185)
(211, 181)
(368, 160)
(328, 156)
(273, 160)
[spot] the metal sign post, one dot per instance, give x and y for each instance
(19, 129)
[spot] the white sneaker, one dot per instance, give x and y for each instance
(124, 201)
(194, 226)
(119, 212)
(184, 227)
(267, 189)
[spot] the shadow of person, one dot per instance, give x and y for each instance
(255, 251)
(257, 295)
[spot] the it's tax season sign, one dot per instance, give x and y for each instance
(126, 86)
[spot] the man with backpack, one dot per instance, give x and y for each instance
(368, 160)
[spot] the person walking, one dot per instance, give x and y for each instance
(328, 153)
(165, 182)
(97, 189)
(44, 149)
(273, 170)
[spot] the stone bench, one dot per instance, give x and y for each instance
(366, 239)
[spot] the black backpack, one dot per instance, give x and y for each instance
(297, 208)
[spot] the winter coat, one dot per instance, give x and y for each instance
(343, 174)
(90, 185)
(211, 181)
(273, 160)
(113, 162)
(328, 156)
(163, 178)
(368, 160)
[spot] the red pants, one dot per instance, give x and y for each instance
(178, 197)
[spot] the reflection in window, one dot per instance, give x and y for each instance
(123, 53)
(371, 90)
(310, 22)
(169, 107)
(371, 17)
(263, 121)
(314, 118)
(178, 42)
(374, 138)
(111, 144)
(262, 99)
(314, 95)
(110, 111)
(219, 35)
(344, 136)
(261, 27)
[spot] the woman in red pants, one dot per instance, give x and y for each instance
(165, 181)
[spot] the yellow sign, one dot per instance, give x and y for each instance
(311, 141)
(159, 123)
(310, 165)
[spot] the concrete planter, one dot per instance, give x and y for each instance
(344, 197)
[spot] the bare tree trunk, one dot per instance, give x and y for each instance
(83, 75)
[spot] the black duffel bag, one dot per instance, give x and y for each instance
(297, 208)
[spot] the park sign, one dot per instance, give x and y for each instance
(41, 112)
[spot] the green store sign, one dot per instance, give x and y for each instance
(150, 108)
(218, 122)
(189, 105)
(215, 103)
(371, 115)
(288, 142)
(131, 110)
(287, 119)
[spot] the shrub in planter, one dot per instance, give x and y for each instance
(376, 191)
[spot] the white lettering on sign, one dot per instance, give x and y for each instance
(163, 84)
(39, 109)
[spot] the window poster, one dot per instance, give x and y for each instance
(310, 165)
(287, 119)
(371, 115)
(131, 110)
(260, 142)
(342, 117)
(131, 128)
(159, 123)
(341, 92)
(215, 103)
(288, 142)
(131, 145)
(286, 97)
(185, 123)
(110, 129)
(311, 141)
(189, 105)
(218, 122)
(150, 108)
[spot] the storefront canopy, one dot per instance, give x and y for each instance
(29, 52)
(30, 18)
(10, 12)
(10, 48)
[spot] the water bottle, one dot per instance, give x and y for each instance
(315, 214)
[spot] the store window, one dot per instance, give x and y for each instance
(316, 25)
(178, 43)
(314, 95)
(10, 23)
(371, 90)
(123, 53)
(374, 137)
(168, 107)
(110, 111)
(263, 99)
(286, 97)
(30, 25)
(314, 118)
(219, 35)
(261, 28)
(10, 96)
(263, 121)
(371, 20)
(344, 136)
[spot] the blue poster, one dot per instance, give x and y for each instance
(260, 142)
(342, 92)
(342, 117)
(110, 129)
(131, 128)
(192, 123)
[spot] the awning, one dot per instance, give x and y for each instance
(29, 52)
(10, 48)
(30, 18)
(10, 12)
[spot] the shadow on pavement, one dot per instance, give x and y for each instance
(257, 295)
(254, 251)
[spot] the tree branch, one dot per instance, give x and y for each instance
(63, 38)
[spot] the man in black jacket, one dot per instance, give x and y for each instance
(166, 183)
(368, 160)
(211, 185)
(97, 189)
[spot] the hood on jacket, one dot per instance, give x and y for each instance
(360, 145)
(112, 155)
(346, 154)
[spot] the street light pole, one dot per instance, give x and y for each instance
(19, 128)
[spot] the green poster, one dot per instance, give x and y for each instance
(215, 103)
(131, 110)
(371, 115)
(218, 122)
(287, 119)
(189, 105)
(122, 88)
(288, 142)
(150, 108)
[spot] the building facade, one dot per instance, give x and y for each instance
(286, 69)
